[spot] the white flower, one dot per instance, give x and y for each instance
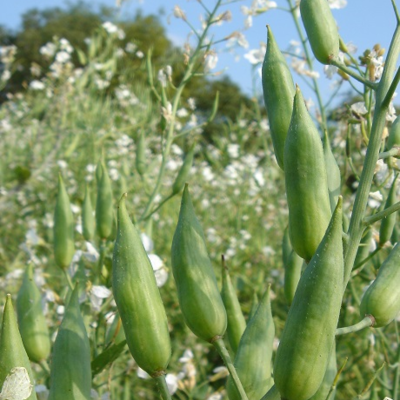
(42, 392)
(187, 356)
(191, 103)
(172, 383)
(48, 50)
(17, 385)
(130, 47)
(256, 56)
(147, 242)
(182, 113)
(97, 295)
(162, 78)
(65, 45)
(375, 199)
(337, 3)
(110, 27)
(139, 54)
(233, 150)
(211, 61)
(215, 396)
(62, 57)
(37, 85)
(179, 13)
(359, 108)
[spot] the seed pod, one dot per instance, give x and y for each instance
(292, 275)
(236, 321)
(104, 205)
(309, 333)
(141, 154)
(12, 351)
(138, 299)
(88, 224)
(71, 374)
(254, 306)
(254, 356)
(329, 377)
(388, 223)
(32, 323)
(272, 394)
(198, 293)
(382, 298)
(64, 247)
(333, 173)
(321, 29)
(306, 182)
(184, 172)
(278, 89)
(394, 134)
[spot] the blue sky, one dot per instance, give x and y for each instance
(362, 22)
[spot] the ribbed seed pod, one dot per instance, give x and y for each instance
(278, 89)
(321, 29)
(254, 306)
(64, 247)
(388, 223)
(382, 298)
(309, 333)
(292, 275)
(32, 323)
(329, 377)
(394, 134)
(184, 172)
(306, 182)
(104, 204)
(236, 321)
(199, 297)
(254, 356)
(333, 173)
(12, 351)
(71, 374)
(88, 223)
(138, 299)
(141, 164)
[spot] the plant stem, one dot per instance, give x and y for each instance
(223, 352)
(364, 323)
(378, 124)
(394, 152)
(382, 214)
(162, 387)
(353, 74)
(69, 280)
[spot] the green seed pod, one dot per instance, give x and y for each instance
(329, 377)
(99, 170)
(292, 275)
(254, 356)
(236, 321)
(71, 374)
(394, 134)
(333, 173)
(64, 247)
(382, 298)
(395, 235)
(184, 172)
(88, 223)
(278, 89)
(104, 205)
(199, 297)
(286, 246)
(254, 306)
(12, 351)
(32, 323)
(138, 299)
(363, 248)
(309, 333)
(388, 223)
(306, 182)
(272, 394)
(141, 165)
(321, 29)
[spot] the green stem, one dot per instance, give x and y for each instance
(353, 74)
(382, 214)
(393, 152)
(360, 266)
(397, 373)
(159, 206)
(163, 387)
(69, 280)
(101, 258)
(223, 352)
(356, 222)
(45, 367)
(365, 323)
